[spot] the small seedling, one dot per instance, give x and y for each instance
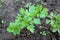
(3, 22)
(44, 33)
(54, 22)
(27, 18)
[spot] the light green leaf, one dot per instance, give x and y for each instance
(28, 18)
(31, 22)
(19, 16)
(27, 13)
(38, 8)
(52, 22)
(58, 31)
(58, 17)
(22, 25)
(51, 15)
(54, 30)
(44, 13)
(36, 21)
(32, 9)
(13, 28)
(22, 11)
(45, 10)
(48, 21)
(31, 28)
(43, 33)
(28, 5)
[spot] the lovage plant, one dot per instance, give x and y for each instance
(27, 18)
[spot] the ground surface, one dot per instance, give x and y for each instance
(8, 13)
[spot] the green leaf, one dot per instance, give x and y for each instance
(18, 21)
(58, 31)
(32, 9)
(28, 5)
(31, 22)
(48, 21)
(45, 10)
(28, 17)
(38, 15)
(43, 33)
(51, 15)
(44, 13)
(36, 21)
(58, 17)
(22, 11)
(22, 25)
(52, 22)
(38, 8)
(27, 13)
(19, 16)
(54, 30)
(13, 28)
(31, 28)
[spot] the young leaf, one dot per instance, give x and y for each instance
(36, 21)
(22, 11)
(13, 28)
(32, 9)
(58, 17)
(43, 33)
(48, 21)
(22, 25)
(28, 17)
(44, 13)
(31, 28)
(28, 5)
(58, 31)
(39, 8)
(19, 16)
(54, 30)
(51, 15)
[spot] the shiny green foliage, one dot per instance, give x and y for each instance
(27, 18)
(43, 33)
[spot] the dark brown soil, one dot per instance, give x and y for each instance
(9, 11)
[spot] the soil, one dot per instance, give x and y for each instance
(8, 13)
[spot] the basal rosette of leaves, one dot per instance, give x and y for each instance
(27, 18)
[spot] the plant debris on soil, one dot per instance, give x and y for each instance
(8, 13)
